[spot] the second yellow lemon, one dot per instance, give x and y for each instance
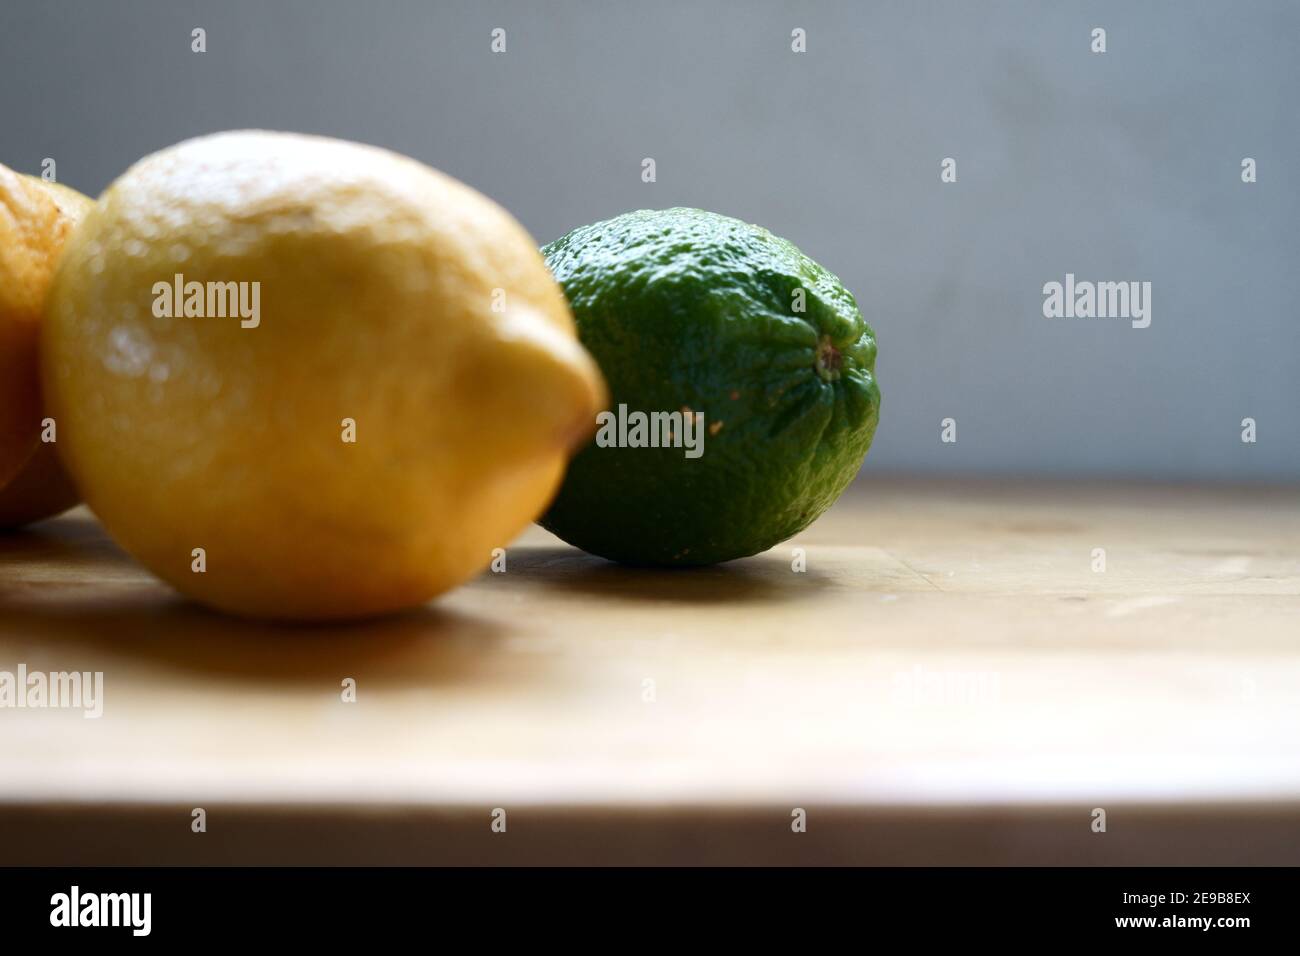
(304, 378)
(42, 488)
(35, 221)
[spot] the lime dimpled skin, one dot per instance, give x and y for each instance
(688, 309)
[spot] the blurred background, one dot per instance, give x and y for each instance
(1122, 166)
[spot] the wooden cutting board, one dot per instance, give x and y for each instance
(949, 679)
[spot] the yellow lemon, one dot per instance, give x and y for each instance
(35, 222)
(42, 488)
(303, 378)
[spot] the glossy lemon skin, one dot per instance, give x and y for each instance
(392, 297)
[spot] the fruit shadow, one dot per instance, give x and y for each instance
(752, 580)
(80, 596)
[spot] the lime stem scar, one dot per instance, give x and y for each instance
(829, 361)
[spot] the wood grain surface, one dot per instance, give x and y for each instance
(948, 681)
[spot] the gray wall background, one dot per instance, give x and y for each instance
(1118, 166)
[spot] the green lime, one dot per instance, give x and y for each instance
(743, 393)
